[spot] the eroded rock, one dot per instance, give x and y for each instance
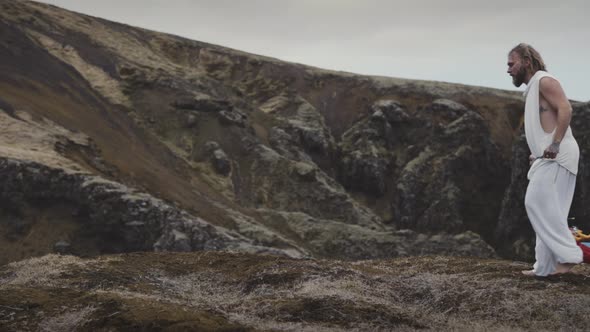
(219, 159)
(118, 218)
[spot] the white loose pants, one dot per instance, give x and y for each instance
(548, 199)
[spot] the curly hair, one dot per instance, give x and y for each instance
(526, 51)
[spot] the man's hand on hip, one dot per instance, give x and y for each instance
(551, 151)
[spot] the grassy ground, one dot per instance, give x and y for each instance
(229, 292)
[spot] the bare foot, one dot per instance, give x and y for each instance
(562, 268)
(528, 273)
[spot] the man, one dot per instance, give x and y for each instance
(554, 162)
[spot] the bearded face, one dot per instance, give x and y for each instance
(517, 69)
(519, 76)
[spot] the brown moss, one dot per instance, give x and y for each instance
(133, 314)
(31, 308)
(229, 291)
(336, 312)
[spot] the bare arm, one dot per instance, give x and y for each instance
(551, 90)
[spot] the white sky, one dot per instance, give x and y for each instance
(458, 41)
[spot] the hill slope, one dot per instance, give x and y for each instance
(120, 139)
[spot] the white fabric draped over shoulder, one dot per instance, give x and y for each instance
(538, 140)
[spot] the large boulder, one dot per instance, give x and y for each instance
(218, 158)
(438, 166)
(366, 149)
(300, 132)
(276, 182)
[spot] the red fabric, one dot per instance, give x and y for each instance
(585, 251)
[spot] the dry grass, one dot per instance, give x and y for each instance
(96, 77)
(34, 140)
(68, 321)
(271, 293)
(45, 271)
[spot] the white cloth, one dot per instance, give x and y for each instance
(547, 201)
(538, 140)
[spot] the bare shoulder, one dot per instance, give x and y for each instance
(551, 90)
(549, 83)
(550, 86)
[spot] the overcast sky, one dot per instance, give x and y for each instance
(462, 41)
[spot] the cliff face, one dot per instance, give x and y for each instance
(118, 139)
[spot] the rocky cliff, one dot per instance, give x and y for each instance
(118, 139)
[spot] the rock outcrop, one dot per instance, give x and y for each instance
(438, 166)
(112, 217)
(249, 151)
(330, 239)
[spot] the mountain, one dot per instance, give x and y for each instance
(118, 139)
